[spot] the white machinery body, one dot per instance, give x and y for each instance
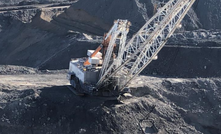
(89, 75)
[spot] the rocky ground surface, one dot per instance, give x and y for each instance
(41, 103)
(178, 93)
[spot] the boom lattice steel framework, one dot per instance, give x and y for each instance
(145, 44)
(120, 27)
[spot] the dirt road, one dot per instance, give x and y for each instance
(35, 6)
(34, 80)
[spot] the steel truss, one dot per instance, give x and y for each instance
(146, 43)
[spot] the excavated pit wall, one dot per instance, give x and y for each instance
(48, 39)
(176, 105)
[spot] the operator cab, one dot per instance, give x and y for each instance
(84, 78)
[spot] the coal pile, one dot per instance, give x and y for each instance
(178, 93)
(158, 105)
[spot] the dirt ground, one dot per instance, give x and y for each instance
(41, 103)
(178, 93)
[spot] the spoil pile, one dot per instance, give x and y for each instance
(204, 14)
(49, 38)
(158, 105)
(36, 102)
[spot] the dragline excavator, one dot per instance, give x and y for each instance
(109, 72)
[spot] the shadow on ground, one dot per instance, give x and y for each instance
(49, 110)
